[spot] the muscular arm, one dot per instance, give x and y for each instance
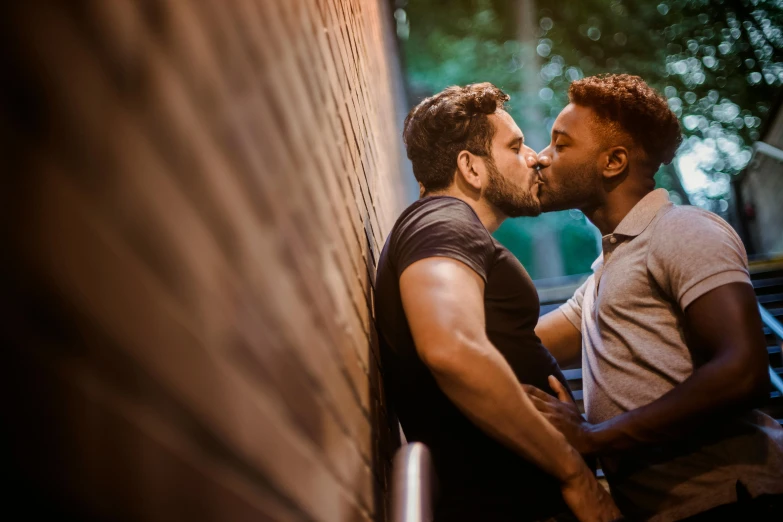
(444, 305)
(560, 337)
(726, 332)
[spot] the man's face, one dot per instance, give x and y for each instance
(512, 186)
(573, 180)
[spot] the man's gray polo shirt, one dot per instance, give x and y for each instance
(660, 259)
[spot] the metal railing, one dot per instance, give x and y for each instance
(777, 329)
(413, 484)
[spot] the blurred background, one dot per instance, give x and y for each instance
(196, 193)
(719, 63)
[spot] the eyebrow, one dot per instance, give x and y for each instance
(516, 140)
(556, 132)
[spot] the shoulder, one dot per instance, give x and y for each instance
(694, 251)
(441, 215)
(690, 245)
(692, 228)
(690, 218)
(441, 227)
(439, 207)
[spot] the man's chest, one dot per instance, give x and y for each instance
(628, 320)
(510, 297)
(622, 284)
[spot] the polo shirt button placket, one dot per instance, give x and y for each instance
(613, 240)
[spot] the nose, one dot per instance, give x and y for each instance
(531, 159)
(544, 159)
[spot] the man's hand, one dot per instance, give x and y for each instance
(563, 415)
(588, 500)
(444, 304)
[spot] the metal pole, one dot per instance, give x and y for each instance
(413, 484)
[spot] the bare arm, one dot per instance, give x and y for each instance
(443, 301)
(725, 332)
(560, 337)
(444, 305)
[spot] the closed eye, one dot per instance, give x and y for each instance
(516, 144)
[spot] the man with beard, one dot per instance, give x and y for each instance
(673, 355)
(454, 345)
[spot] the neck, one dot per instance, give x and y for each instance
(615, 206)
(489, 216)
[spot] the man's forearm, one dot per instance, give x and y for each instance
(482, 385)
(714, 389)
(560, 337)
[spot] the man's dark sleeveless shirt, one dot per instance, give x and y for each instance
(480, 479)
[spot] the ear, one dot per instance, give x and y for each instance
(469, 168)
(614, 162)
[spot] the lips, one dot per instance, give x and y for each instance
(538, 186)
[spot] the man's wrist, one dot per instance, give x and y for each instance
(573, 467)
(580, 480)
(598, 437)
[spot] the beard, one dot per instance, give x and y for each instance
(512, 200)
(579, 191)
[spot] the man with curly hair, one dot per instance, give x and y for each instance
(456, 314)
(667, 326)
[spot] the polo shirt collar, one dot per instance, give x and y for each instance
(642, 214)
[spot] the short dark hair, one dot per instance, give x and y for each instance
(441, 126)
(637, 108)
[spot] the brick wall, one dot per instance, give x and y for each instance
(196, 193)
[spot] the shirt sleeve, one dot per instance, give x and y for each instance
(693, 252)
(572, 308)
(447, 228)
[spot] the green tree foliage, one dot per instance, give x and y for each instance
(456, 43)
(719, 63)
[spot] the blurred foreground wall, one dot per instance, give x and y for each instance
(195, 194)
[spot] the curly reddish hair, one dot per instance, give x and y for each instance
(638, 109)
(441, 126)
